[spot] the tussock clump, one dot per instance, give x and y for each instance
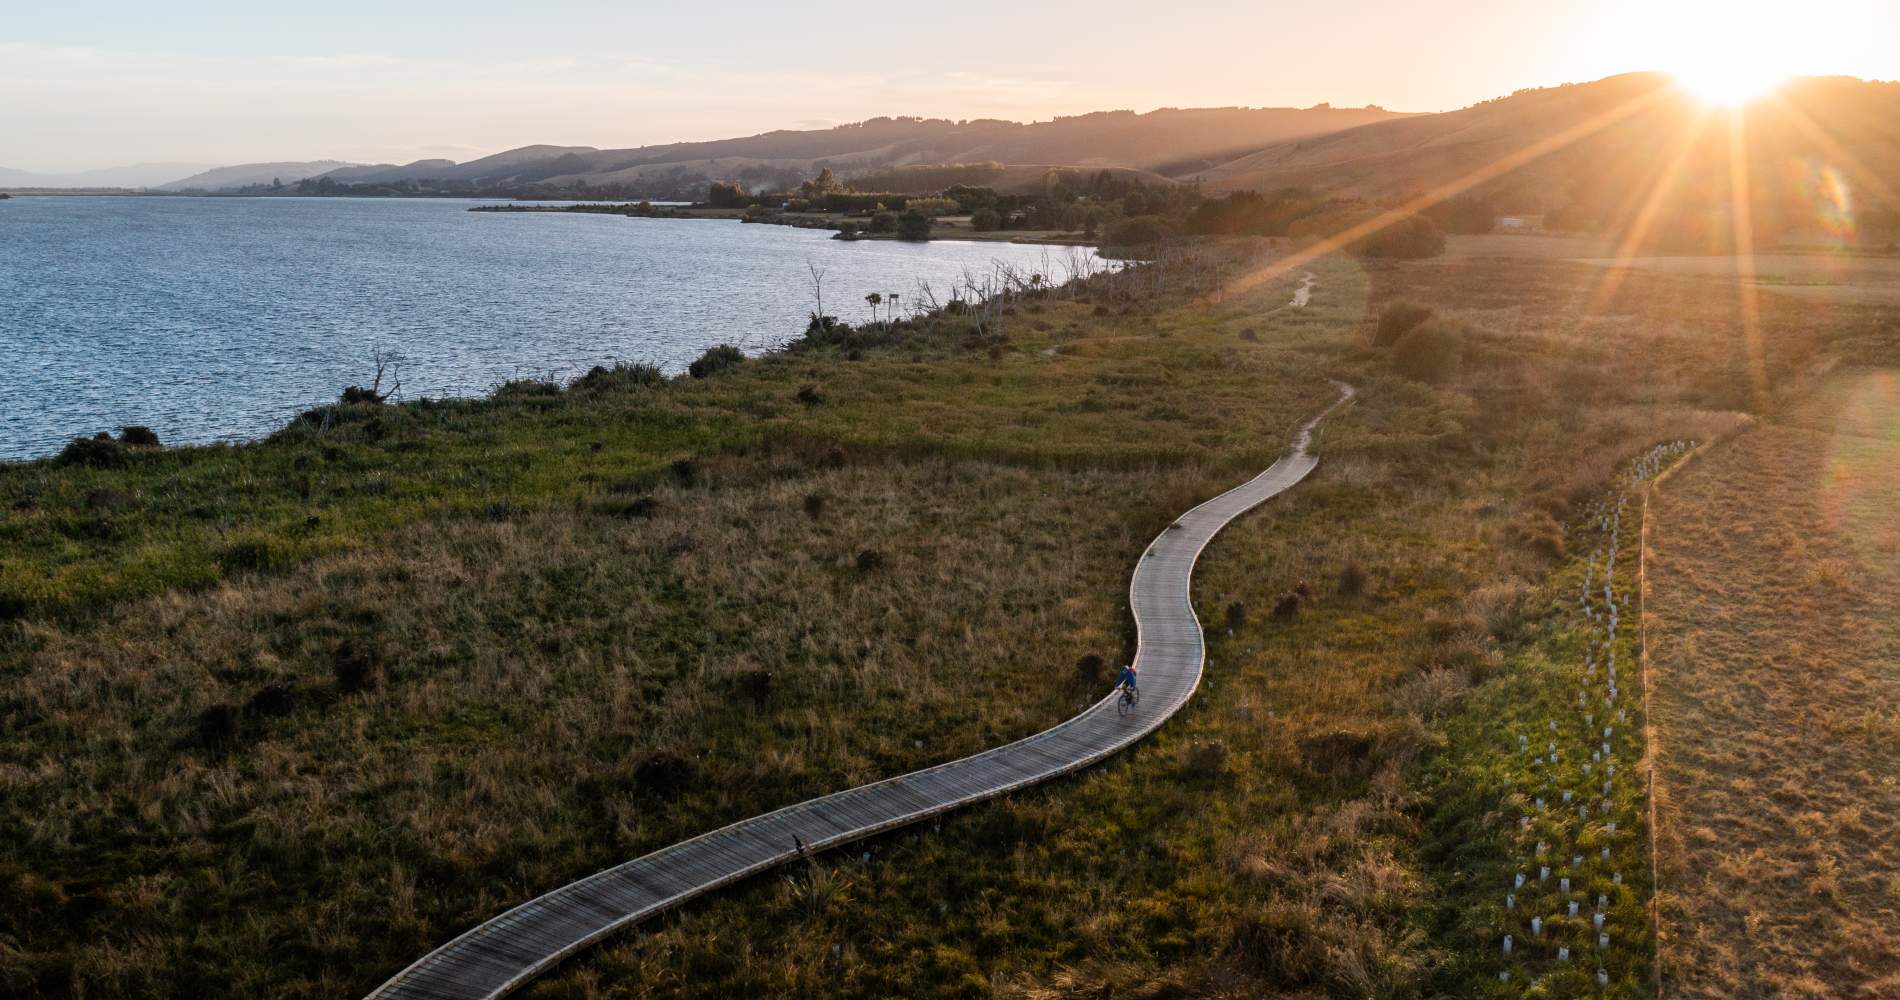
(1352, 579)
(716, 360)
(1338, 753)
(1430, 352)
(1236, 615)
(685, 471)
(1287, 608)
(870, 561)
(1284, 943)
(256, 552)
(814, 505)
(681, 543)
(1204, 760)
(137, 436)
(810, 395)
(108, 499)
(1539, 534)
(218, 727)
(632, 508)
(1089, 669)
(663, 774)
(1250, 335)
(273, 700)
(1399, 319)
(357, 666)
(754, 686)
(94, 453)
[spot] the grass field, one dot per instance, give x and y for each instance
(279, 718)
(1777, 665)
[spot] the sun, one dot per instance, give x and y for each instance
(1729, 82)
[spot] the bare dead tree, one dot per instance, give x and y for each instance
(817, 288)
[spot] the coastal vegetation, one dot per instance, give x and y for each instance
(280, 717)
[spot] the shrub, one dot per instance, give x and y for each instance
(1139, 233)
(1410, 239)
(1250, 335)
(1430, 352)
(249, 554)
(883, 222)
(356, 395)
(1287, 608)
(1236, 615)
(814, 505)
(93, 453)
(913, 225)
(1088, 669)
(721, 358)
(1399, 319)
(870, 561)
(620, 376)
(681, 543)
(685, 471)
(985, 220)
(357, 666)
(519, 389)
(138, 437)
(810, 395)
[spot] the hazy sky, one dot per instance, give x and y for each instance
(88, 84)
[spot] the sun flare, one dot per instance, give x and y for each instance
(1729, 84)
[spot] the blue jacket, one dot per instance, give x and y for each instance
(1127, 677)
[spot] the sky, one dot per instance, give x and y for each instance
(87, 84)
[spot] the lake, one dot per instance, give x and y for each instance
(218, 319)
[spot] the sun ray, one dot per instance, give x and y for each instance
(1638, 229)
(1742, 221)
(1444, 192)
(1841, 155)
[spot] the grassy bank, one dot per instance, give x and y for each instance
(281, 717)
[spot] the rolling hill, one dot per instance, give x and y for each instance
(1161, 142)
(252, 175)
(1609, 150)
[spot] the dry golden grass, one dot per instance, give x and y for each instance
(1776, 650)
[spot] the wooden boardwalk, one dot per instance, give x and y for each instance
(507, 951)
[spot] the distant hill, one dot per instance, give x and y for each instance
(1815, 135)
(1163, 142)
(252, 175)
(134, 176)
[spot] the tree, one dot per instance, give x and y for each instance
(984, 220)
(727, 194)
(913, 225)
(883, 222)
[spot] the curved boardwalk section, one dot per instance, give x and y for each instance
(506, 952)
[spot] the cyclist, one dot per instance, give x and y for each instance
(1127, 680)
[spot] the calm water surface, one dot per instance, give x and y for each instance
(212, 319)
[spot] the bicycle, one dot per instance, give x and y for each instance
(1127, 702)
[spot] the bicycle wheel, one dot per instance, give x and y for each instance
(1124, 703)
